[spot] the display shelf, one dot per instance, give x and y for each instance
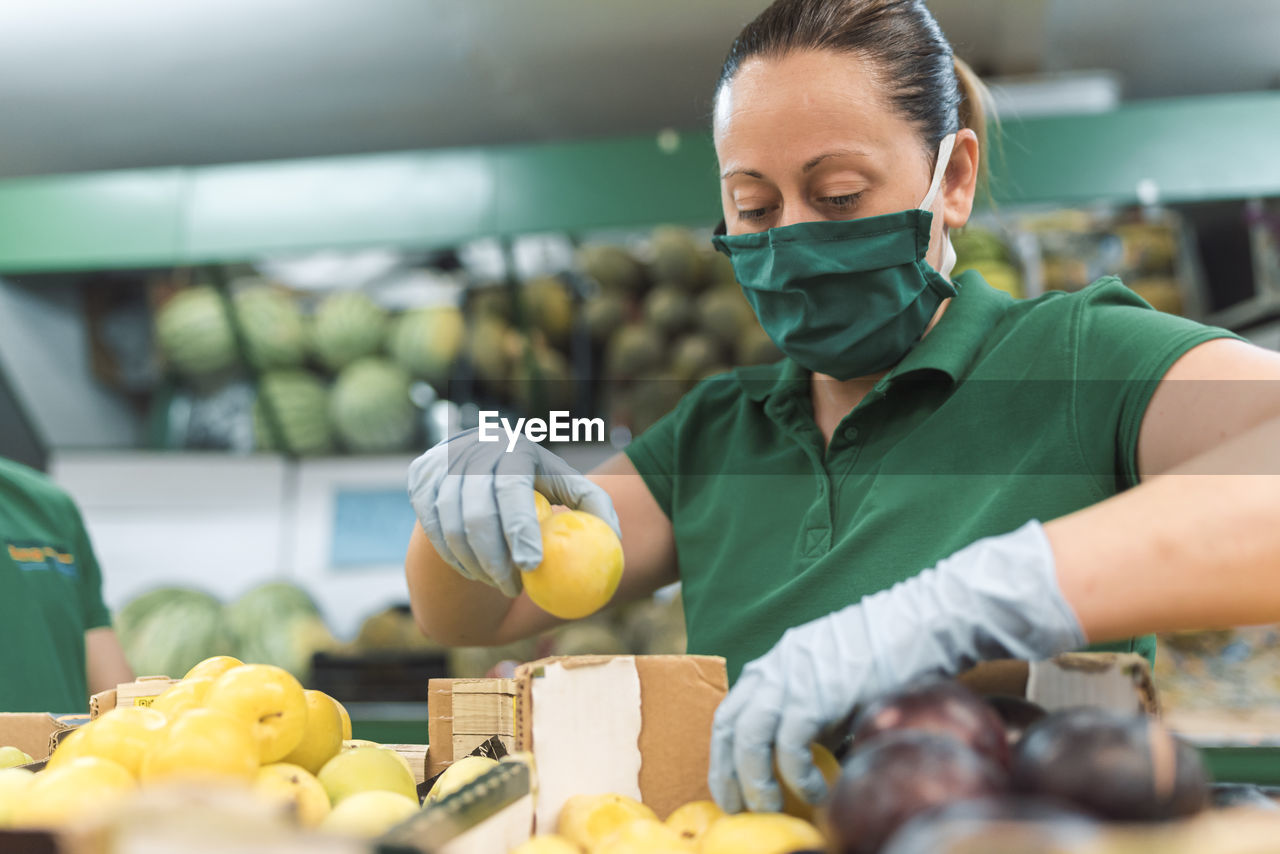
(1176, 150)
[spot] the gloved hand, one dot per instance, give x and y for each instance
(997, 598)
(474, 500)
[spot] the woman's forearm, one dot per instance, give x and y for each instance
(1196, 548)
(447, 607)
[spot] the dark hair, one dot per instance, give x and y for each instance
(937, 92)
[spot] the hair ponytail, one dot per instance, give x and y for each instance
(973, 111)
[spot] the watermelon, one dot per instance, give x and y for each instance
(168, 631)
(347, 326)
(723, 313)
(489, 346)
(370, 407)
(426, 342)
(550, 308)
(278, 623)
(274, 334)
(613, 267)
(193, 334)
(677, 257)
(300, 402)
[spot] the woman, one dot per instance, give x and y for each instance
(59, 646)
(936, 474)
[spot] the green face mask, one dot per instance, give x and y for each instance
(845, 298)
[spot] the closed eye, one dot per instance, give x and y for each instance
(846, 201)
(754, 213)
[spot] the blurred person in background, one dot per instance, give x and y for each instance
(936, 474)
(59, 647)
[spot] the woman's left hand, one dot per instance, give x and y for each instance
(997, 598)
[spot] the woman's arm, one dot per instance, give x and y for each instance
(459, 612)
(1197, 544)
(105, 664)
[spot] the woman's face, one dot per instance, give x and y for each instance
(812, 136)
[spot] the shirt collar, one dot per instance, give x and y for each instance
(952, 345)
(949, 349)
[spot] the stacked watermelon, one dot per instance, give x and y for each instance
(324, 381)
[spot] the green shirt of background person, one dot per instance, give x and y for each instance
(59, 647)
(829, 113)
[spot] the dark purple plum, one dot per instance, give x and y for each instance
(899, 775)
(1116, 766)
(937, 706)
(1017, 714)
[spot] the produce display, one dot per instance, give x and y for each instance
(929, 768)
(225, 723)
(170, 630)
(1145, 249)
(622, 332)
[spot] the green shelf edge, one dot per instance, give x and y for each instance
(390, 731)
(1184, 150)
(1258, 765)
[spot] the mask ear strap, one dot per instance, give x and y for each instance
(944, 158)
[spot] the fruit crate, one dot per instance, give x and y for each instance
(376, 677)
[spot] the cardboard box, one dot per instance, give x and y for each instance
(635, 725)
(462, 714)
(1118, 681)
(140, 692)
(36, 733)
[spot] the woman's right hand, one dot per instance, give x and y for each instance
(474, 501)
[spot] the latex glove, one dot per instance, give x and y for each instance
(474, 500)
(997, 598)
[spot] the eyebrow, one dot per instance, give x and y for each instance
(808, 166)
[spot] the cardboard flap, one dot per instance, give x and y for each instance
(30, 732)
(1118, 681)
(678, 696)
(102, 702)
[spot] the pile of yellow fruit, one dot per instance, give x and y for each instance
(224, 722)
(616, 824)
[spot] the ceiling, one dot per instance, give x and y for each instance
(135, 83)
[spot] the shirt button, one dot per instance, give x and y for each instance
(851, 433)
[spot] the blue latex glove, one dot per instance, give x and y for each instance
(474, 500)
(997, 598)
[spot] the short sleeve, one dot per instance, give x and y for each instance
(96, 614)
(653, 453)
(1122, 350)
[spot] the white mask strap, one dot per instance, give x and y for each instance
(944, 159)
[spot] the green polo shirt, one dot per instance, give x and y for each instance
(1006, 411)
(50, 595)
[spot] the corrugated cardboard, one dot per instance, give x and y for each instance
(35, 733)
(462, 714)
(1118, 681)
(140, 692)
(678, 698)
